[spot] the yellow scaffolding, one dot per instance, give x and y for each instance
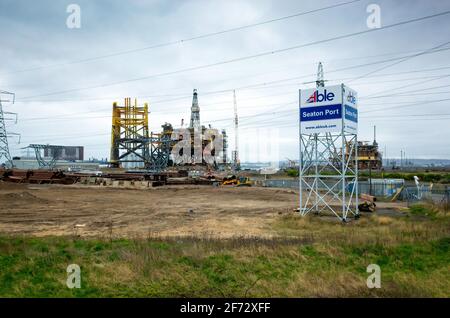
(129, 134)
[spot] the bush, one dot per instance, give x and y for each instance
(292, 172)
(424, 210)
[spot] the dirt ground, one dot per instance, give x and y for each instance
(42, 210)
(95, 211)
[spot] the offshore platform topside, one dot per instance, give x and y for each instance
(134, 146)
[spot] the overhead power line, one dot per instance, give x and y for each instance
(402, 60)
(408, 85)
(251, 86)
(404, 92)
(271, 124)
(244, 57)
(198, 37)
(265, 73)
(280, 114)
(406, 106)
(76, 115)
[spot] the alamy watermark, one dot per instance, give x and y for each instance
(374, 279)
(199, 146)
(74, 276)
(374, 19)
(183, 152)
(73, 21)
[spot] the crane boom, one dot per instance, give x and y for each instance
(235, 156)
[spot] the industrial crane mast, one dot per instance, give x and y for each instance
(235, 155)
(320, 82)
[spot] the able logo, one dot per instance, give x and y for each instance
(351, 98)
(320, 97)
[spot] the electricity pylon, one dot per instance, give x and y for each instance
(4, 147)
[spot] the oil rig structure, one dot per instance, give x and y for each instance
(369, 156)
(134, 146)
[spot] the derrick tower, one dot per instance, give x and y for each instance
(195, 112)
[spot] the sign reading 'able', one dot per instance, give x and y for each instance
(328, 109)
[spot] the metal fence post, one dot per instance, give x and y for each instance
(447, 197)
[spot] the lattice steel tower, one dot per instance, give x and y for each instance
(4, 147)
(328, 166)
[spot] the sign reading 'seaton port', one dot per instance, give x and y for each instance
(350, 101)
(328, 109)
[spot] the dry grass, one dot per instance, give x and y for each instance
(373, 229)
(308, 257)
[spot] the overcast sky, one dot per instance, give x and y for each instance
(62, 99)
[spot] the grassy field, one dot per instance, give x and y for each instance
(312, 257)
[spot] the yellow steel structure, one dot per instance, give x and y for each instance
(130, 134)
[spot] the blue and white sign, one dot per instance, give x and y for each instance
(350, 110)
(321, 109)
(328, 109)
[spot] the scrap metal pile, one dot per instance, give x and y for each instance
(139, 179)
(36, 176)
(115, 179)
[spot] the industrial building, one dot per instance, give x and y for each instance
(69, 153)
(47, 156)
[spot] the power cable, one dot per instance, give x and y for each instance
(244, 57)
(181, 41)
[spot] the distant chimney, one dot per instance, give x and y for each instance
(375, 136)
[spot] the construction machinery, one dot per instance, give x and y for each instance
(237, 181)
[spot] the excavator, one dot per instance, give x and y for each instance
(237, 181)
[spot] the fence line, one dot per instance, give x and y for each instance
(386, 188)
